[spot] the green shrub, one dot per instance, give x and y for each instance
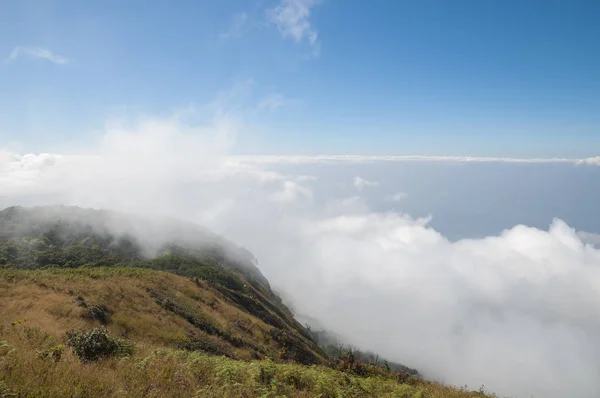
(99, 313)
(95, 344)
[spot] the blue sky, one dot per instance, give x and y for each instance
(478, 78)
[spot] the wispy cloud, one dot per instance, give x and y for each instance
(292, 18)
(238, 24)
(37, 52)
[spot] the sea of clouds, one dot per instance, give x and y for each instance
(468, 269)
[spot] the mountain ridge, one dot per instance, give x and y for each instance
(62, 237)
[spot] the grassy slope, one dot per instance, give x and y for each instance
(200, 315)
(223, 305)
(39, 306)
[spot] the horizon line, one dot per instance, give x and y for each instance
(399, 158)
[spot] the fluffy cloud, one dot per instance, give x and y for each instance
(37, 52)
(509, 311)
(516, 311)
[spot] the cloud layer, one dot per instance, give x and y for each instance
(595, 161)
(516, 311)
(274, 159)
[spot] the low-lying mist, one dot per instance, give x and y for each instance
(515, 311)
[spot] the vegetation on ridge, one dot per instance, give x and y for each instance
(175, 373)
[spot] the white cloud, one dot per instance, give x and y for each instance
(395, 285)
(37, 52)
(397, 197)
(292, 18)
(238, 25)
(361, 183)
(590, 161)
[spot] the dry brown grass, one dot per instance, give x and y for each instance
(47, 300)
(170, 373)
(39, 307)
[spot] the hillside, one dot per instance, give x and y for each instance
(177, 310)
(224, 299)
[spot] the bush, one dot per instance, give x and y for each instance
(95, 344)
(99, 313)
